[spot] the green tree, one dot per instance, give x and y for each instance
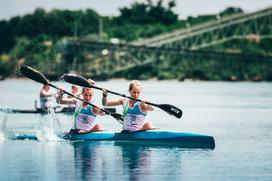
(148, 13)
(7, 40)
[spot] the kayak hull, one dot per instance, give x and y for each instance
(151, 137)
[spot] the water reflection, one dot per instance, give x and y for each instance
(142, 161)
(125, 161)
(89, 160)
(136, 160)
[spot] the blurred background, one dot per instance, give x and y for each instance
(161, 39)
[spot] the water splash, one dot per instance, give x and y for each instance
(47, 134)
(4, 129)
(55, 122)
(5, 133)
(49, 128)
(2, 137)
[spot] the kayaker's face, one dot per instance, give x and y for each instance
(88, 94)
(135, 91)
(46, 87)
(74, 90)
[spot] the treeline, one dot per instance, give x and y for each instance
(36, 39)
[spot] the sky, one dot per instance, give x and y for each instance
(184, 8)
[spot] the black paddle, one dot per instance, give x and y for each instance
(39, 77)
(81, 81)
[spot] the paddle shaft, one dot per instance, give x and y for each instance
(170, 109)
(81, 81)
(124, 95)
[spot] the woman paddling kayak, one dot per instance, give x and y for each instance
(134, 111)
(46, 98)
(84, 114)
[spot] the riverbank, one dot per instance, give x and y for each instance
(231, 79)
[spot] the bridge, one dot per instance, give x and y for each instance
(110, 59)
(214, 32)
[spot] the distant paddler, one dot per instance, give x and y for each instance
(75, 91)
(46, 98)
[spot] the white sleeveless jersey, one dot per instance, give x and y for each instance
(134, 118)
(84, 117)
(46, 102)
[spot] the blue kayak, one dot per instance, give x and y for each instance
(150, 137)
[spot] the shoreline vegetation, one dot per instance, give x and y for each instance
(38, 40)
(232, 79)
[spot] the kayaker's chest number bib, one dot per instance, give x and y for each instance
(132, 118)
(84, 118)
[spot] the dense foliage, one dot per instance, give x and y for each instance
(36, 39)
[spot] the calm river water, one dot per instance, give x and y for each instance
(238, 115)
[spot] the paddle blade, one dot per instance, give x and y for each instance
(33, 74)
(172, 110)
(77, 80)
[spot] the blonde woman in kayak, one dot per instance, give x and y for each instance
(134, 111)
(84, 114)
